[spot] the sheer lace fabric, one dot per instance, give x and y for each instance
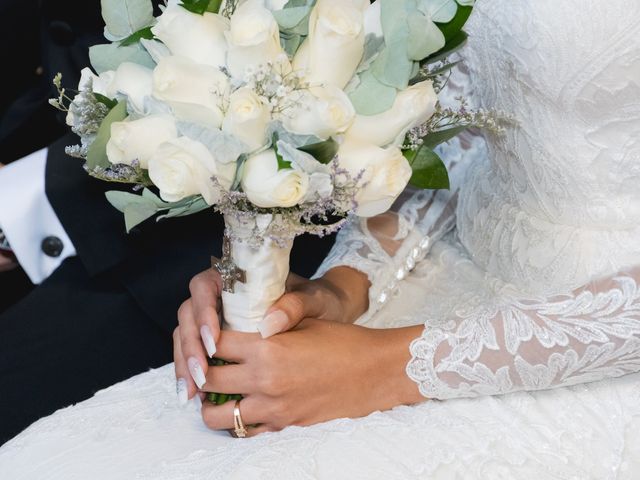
(536, 287)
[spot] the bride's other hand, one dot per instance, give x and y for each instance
(318, 372)
(341, 295)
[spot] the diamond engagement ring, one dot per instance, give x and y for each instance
(239, 430)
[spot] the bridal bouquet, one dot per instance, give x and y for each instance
(285, 116)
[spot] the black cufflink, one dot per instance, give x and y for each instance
(52, 246)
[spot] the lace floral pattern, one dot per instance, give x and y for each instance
(553, 205)
(541, 212)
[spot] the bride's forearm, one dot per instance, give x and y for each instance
(391, 358)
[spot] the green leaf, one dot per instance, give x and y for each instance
(110, 56)
(97, 154)
(145, 33)
(125, 17)
(434, 139)
(323, 152)
(455, 26)
(202, 6)
(429, 171)
(214, 6)
(108, 102)
(282, 163)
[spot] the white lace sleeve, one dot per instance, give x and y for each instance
(387, 247)
(500, 346)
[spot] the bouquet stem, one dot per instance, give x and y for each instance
(254, 269)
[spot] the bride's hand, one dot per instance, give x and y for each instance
(318, 372)
(340, 296)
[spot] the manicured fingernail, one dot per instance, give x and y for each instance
(182, 391)
(207, 339)
(196, 372)
(273, 323)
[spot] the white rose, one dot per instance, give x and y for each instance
(134, 81)
(139, 139)
(320, 111)
(335, 45)
(385, 174)
(247, 118)
(253, 38)
(198, 37)
(266, 187)
(194, 92)
(183, 167)
(412, 107)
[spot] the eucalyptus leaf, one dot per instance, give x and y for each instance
(123, 18)
(110, 56)
(157, 50)
(136, 213)
(194, 206)
(429, 171)
(224, 147)
(425, 38)
(292, 18)
(150, 196)
(392, 67)
(453, 45)
(373, 45)
(371, 96)
(120, 200)
(97, 154)
(291, 43)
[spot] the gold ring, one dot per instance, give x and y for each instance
(238, 425)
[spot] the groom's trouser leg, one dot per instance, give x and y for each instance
(70, 337)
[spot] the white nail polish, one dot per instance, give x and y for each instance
(182, 391)
(273, 323)
(207, 340)
(196, 372)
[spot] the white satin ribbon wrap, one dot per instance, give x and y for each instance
(266, 269)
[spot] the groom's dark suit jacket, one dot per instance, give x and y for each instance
(108, 313)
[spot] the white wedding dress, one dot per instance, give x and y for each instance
(536, 287)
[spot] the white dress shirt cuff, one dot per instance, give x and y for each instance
(27, 218)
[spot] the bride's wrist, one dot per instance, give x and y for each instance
(392, 357)
(351, 288)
